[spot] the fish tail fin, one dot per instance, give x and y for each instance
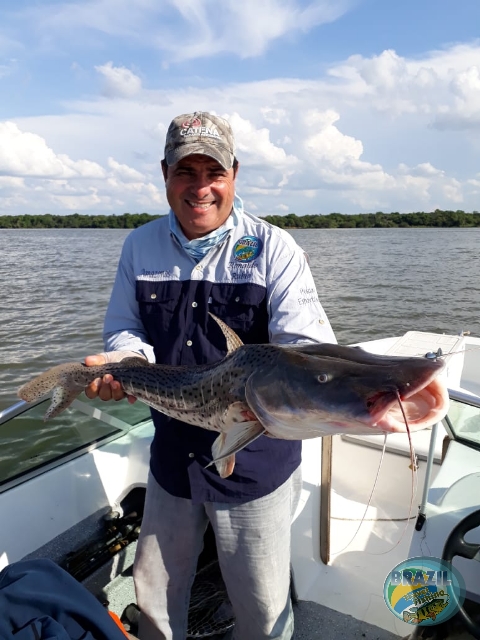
(65, 381)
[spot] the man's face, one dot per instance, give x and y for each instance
(200, 192)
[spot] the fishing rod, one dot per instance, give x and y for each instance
(118, 533)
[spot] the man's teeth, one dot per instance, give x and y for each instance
(200, 205)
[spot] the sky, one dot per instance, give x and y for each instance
(349, 106)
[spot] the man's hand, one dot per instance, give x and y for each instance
(107, 388)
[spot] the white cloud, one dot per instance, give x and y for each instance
(464, 111)
(255, 144)
(124, 172)
(453, 191)
(365, 136)
(245, 28)
(27, 154)
(425, 169)
(444, 85)
(119, 81)
(33, 176)
(274, 116)
(328, 144)
(203, 27)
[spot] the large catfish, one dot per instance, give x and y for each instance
(291, 392)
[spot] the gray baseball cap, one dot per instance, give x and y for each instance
(202, 133)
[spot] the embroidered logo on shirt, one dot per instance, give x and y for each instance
(155, 276)
(247, 249)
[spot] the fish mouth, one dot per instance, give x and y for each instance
(423, 405)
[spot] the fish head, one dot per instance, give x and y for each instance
(317, 391)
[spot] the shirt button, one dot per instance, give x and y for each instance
(199, 267)
(153, 296)
(194, 304)
(191, 455)
(189, 343)
(322, 321)
(237, 299)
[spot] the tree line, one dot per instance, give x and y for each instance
(437, 218)
(76, 221)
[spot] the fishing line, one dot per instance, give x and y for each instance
(414, 467)
(369, 499)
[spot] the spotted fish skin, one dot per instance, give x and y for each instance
(199, 395)
(289, 392)
(209, 396)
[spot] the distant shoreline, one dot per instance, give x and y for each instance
(437, 219)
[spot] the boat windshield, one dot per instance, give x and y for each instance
(28, 443)
(464, 418)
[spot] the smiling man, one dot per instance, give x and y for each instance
(200, 177)
(210, 255)
(200, 192)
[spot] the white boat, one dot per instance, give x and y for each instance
(344, 544)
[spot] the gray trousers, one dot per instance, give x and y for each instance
(253, 544)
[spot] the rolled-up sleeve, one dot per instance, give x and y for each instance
(123, 328)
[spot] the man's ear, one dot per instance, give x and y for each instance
(235, 166)
(164, 169)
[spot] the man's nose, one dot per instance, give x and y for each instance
(201, 184)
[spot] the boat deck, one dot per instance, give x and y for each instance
(313, 621)
(316, 622)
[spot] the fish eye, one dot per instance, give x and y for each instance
(323, 377)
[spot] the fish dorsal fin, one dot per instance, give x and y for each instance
(233, 341)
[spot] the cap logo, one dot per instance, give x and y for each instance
(206, 132)
(200, 132)
(194, 122)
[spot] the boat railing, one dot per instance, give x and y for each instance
(87, 408)
(95, 425)
(16, 409)
(464, 397)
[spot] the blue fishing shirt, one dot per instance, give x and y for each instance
(257, 280)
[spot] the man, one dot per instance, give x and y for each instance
(210, 255)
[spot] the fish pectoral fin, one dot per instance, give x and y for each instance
(237, 437)
(227, 444)
(62, 397)
(225, 466)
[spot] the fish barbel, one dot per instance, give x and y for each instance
(292, 392)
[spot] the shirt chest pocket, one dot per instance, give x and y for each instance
(241, 307)
(158, 303)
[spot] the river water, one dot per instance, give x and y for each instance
(373, 283)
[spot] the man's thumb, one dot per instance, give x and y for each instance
(97, 359)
